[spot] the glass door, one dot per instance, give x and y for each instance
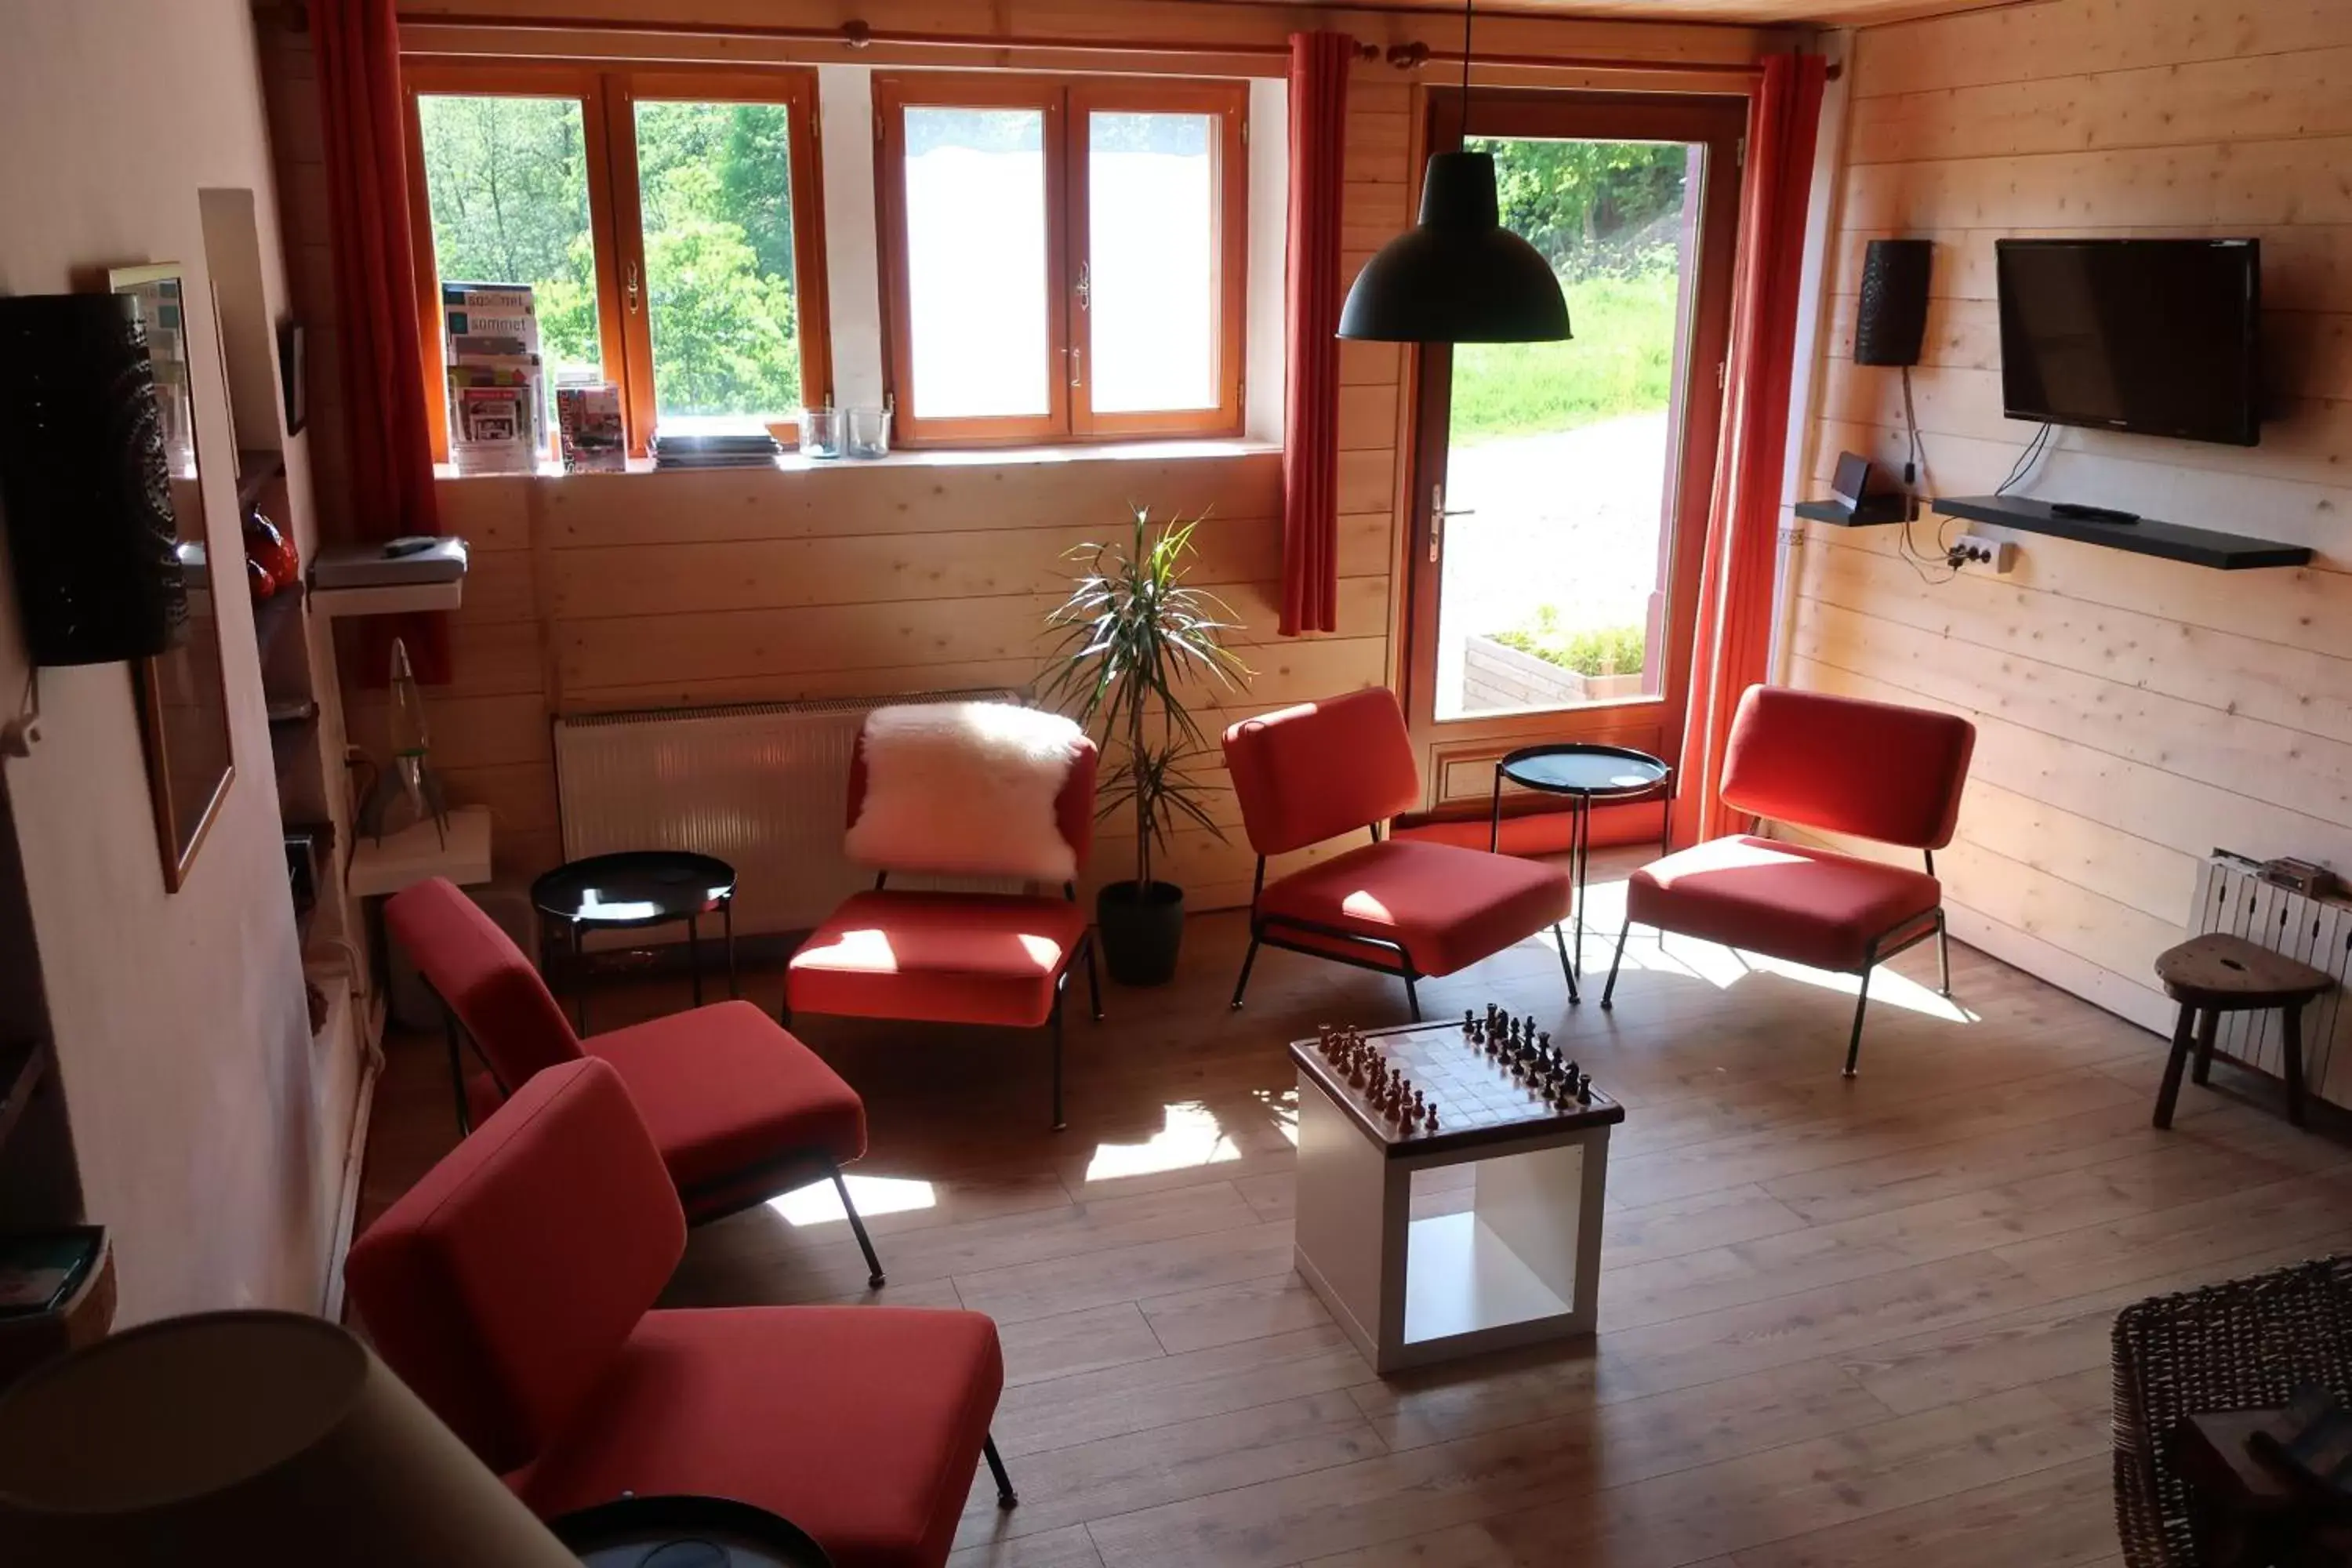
(1562, 489)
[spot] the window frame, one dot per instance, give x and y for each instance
(608, 100)
(793, 89)
(1228, 103)
(1065, 101)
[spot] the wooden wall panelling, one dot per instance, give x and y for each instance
(1161, 22)
(2077, 39)
(2132, 714)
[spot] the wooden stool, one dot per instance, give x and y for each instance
(2216, 973)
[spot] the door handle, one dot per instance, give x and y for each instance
(1437, 516)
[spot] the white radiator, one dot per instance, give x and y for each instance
(761, 785)
(2232, 897)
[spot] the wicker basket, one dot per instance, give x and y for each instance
(2244, 1345)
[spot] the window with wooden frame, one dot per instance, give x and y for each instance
(669, 223)
(1062, 257)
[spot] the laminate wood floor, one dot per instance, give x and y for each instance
(1842, 1323)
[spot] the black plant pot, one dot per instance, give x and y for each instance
(1142, 927)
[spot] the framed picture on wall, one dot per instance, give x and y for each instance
(293, 375)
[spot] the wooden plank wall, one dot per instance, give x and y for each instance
(602, 592)
(2132, 713)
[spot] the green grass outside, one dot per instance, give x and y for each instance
(1619, 362)
(1592, 650)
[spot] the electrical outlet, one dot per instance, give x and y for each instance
(1982, 549)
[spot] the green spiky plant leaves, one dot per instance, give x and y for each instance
(1133, 639)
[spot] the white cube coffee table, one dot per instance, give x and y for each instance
(1522, 1264)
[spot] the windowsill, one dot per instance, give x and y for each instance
(928, 458)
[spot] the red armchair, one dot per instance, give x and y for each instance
(1001, 960)
(1872, 769)
(511, 1289)
(740, 1109)
(1410, 909)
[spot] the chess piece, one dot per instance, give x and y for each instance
(1469, 1021)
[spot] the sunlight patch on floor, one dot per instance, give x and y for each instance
(818, 1204)
(1281, 1112)
(1191, 1136)
(1724, 967)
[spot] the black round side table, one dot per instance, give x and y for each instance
(1584, 773)
(685, 1532)
(632, 889)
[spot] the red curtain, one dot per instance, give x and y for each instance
(1310, 424)
(1733, 648)
(391, 450)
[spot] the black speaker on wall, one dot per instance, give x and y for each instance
(1892, 325)
(82, 476)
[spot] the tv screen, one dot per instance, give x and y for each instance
(2160, 337)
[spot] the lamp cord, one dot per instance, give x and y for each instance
(1467, 6)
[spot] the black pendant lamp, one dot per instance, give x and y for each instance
(1458, 276)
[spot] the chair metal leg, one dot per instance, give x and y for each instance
(2169, 1093)
(1861, 1005)
(1006, 1498)
(1608, 992)
(1242, 985)
(2291, 1058)
(865, 1242)
(1412, 999)
(2209, 1029)
(1054, 1023)
(456, 1070)
(1943, 955)
(1094, 983)
(1566, 970)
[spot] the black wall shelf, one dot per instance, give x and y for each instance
(1837, 514)
(2168, 541)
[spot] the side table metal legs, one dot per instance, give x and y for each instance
(579, 983)
(726, 919)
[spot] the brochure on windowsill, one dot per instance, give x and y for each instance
(588, 424)
(498, 386)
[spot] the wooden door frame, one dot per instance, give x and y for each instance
(1720, 123)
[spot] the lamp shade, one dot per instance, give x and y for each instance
(91, 532)
(246, 1437)
(1458, 276)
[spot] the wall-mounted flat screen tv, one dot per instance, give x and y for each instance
(2157, 337)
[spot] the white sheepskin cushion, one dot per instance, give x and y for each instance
(966, 789)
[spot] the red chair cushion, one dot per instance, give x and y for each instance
(1450, 907)
(861, 1424)
(474, 967)
(502, 1286)
(1321, 769)
(1788, 901)
(1876, 770)
(727, 1092)
(944, 958)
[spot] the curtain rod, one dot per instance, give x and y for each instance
(856, 34)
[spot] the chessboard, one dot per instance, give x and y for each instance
(1426, 1087)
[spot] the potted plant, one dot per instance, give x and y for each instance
(1132, 638)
